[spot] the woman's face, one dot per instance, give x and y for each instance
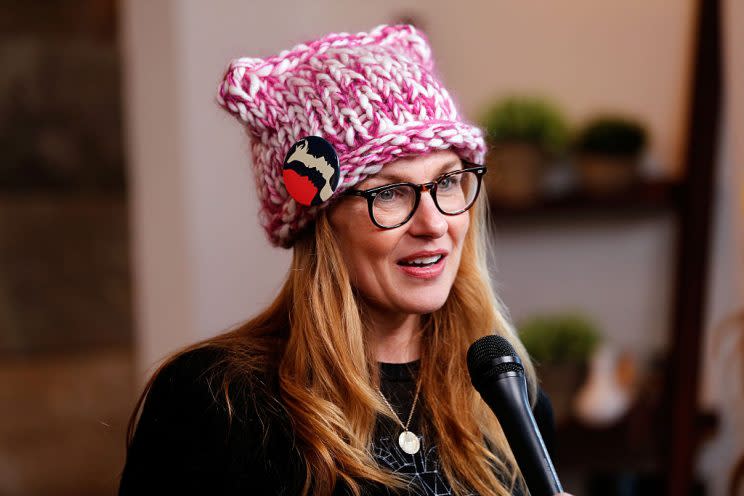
(376, 258)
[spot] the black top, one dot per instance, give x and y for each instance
(183, 443)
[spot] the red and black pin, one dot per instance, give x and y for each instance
(311, 171)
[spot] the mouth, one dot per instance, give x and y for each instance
(423, 265)
(422, 261)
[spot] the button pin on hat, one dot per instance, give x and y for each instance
(311, 171)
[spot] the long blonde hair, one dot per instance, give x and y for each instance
(313, 338)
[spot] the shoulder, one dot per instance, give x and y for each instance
(206, 379)
(182, 397)
(187, 433)
(189, 376)
(190, 365)
(201, 396)
(178, 427)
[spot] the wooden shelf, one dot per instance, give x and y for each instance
(642, 199)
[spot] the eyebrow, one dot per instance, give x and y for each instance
(395, 177)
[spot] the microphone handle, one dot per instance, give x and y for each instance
(507, 397)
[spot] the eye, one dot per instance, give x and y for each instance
(387, 195)
(448, 182)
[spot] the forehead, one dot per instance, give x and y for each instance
(418, 168)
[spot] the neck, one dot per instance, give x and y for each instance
(394, 338)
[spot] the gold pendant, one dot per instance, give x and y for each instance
(409, 442)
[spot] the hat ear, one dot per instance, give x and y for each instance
(409, 40)
(245, 86)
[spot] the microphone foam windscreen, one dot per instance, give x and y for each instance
(485, 350)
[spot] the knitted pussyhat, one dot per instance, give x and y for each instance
(374, 97)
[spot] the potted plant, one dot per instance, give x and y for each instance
(608, 150)
(524, 134)
(561, 345)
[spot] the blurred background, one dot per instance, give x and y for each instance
(128, 223)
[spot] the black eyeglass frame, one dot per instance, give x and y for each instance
(371, 193)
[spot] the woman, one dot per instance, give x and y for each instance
(354, 380)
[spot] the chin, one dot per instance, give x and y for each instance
(424, 305)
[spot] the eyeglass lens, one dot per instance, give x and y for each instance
(453, 194)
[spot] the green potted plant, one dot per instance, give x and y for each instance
(608, 151)
(561, 345)
(524, 134)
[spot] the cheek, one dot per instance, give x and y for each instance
(372, 251)
(460, 229)
(363, 246)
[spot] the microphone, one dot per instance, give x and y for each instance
(498, 375)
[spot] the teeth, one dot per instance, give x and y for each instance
(423, 260)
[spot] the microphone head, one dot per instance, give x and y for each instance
(492, 355)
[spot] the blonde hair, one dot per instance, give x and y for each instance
(313, 338)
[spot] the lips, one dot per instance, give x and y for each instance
(425, 272)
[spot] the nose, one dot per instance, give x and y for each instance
(428, 220)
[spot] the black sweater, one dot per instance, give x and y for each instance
(183, 443)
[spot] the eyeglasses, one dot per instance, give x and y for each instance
(392, 205)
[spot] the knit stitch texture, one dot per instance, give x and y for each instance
(375, 96)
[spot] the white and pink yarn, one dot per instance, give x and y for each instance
(374, 96)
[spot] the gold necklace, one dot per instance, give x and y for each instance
(408, 441)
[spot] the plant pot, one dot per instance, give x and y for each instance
(515, 173)
(603, 175)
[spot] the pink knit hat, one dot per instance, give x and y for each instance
(374, 97)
